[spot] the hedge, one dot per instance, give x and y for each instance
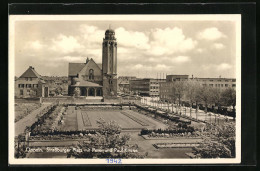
(168, 131)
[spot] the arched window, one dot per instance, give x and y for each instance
(91, 74)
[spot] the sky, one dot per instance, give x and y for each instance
(146, 49)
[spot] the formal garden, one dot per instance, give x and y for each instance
(95, 127)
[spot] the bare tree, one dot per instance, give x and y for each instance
(229, 97)
(192, 88)
(216, 97)
(179, 90)
(205, 96)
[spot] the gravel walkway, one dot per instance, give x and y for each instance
(28, 120)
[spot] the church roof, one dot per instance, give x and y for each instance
(75, 68)
(86, 84)
(100, 66)
(30, 73)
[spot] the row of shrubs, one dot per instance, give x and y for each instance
(168, 131)
(42, 117)
(98, 107)
(167, 116)
(60, 132)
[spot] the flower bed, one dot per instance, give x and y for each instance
(80, 120)
(176, 145)
(98, 107)
(162, 115)
(58, 132)
(85, 119)
(60, 118)
(46, 118)
(180, 130)
(61, 136)
(170, 136)
(135, 119)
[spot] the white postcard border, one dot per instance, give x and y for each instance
(194, 17)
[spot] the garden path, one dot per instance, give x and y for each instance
(28, 120)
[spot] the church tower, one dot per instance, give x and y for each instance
(109, 64)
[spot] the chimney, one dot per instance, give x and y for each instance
(192, 76)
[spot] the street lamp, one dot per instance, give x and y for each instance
(190, 110)
(197, 111)
(172, 107)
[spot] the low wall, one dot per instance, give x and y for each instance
(27, 100)
(82, 100)
(68, 99)
(111, 100)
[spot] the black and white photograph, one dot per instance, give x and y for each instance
(130, 89)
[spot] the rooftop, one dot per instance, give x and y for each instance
(30, 73)
(75, 68)
(86, 84)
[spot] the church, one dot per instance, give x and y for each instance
(91, 79)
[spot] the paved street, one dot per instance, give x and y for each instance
(201, 115)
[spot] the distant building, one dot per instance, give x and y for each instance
(167, 88)
(172, 78)
(30, 84)
(92, 79)
(124, 83)
(146, 86)
(58, 85)
(217, 82)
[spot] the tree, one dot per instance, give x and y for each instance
(58, 90)
(20, 150)
(229, 97)
(205, 96)
(216, 97)
(109, 141)
(192, 89)
(77, 91)
(178, 91)
(219, 142)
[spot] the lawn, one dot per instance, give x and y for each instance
(23, 109)
(128, 120)
(117, 116)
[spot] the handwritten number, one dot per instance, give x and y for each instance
(114, 161)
